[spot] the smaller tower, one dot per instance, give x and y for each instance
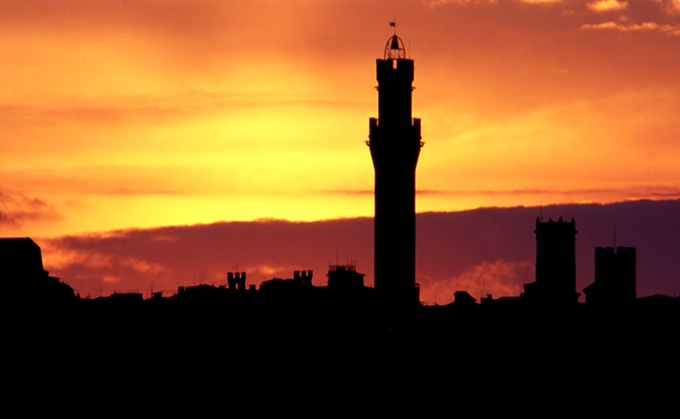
(555, 263)
(615, 280)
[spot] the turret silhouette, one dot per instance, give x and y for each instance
(395, 146)
(555, 264)
(614, 277)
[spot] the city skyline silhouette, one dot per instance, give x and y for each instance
(205, 150)
(552, 296)
(395, 143)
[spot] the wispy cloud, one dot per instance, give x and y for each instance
(607, 5)
(647, 192)
(350, 192)
(499, 278)
(130, 191)
(641, 27)
(16, 209)
(541, 1)
(435, 3)
(670, 7)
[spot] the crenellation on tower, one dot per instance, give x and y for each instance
(555, 263)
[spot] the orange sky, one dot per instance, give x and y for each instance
(120, 114)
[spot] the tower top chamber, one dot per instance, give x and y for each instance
(394, 50)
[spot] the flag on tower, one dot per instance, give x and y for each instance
(393, 23)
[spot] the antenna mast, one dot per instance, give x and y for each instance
(614, 238)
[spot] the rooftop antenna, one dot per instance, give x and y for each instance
(541, 209)
(614, 238)
(481, 296)
(336, 255)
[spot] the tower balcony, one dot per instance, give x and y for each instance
(394, 135)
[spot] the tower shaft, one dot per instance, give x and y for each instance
(395, 147)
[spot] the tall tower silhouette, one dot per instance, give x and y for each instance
(394, 140)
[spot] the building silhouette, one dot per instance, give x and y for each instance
(23, 276)
(237, 282)
(394, 141)
(345, 277)
(555, 264)
(302, 280)
(463, 298)
(614, 277)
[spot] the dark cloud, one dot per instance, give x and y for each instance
(487, 250)
(173, 256)
(16, 209)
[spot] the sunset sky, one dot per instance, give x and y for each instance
(140, 114)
